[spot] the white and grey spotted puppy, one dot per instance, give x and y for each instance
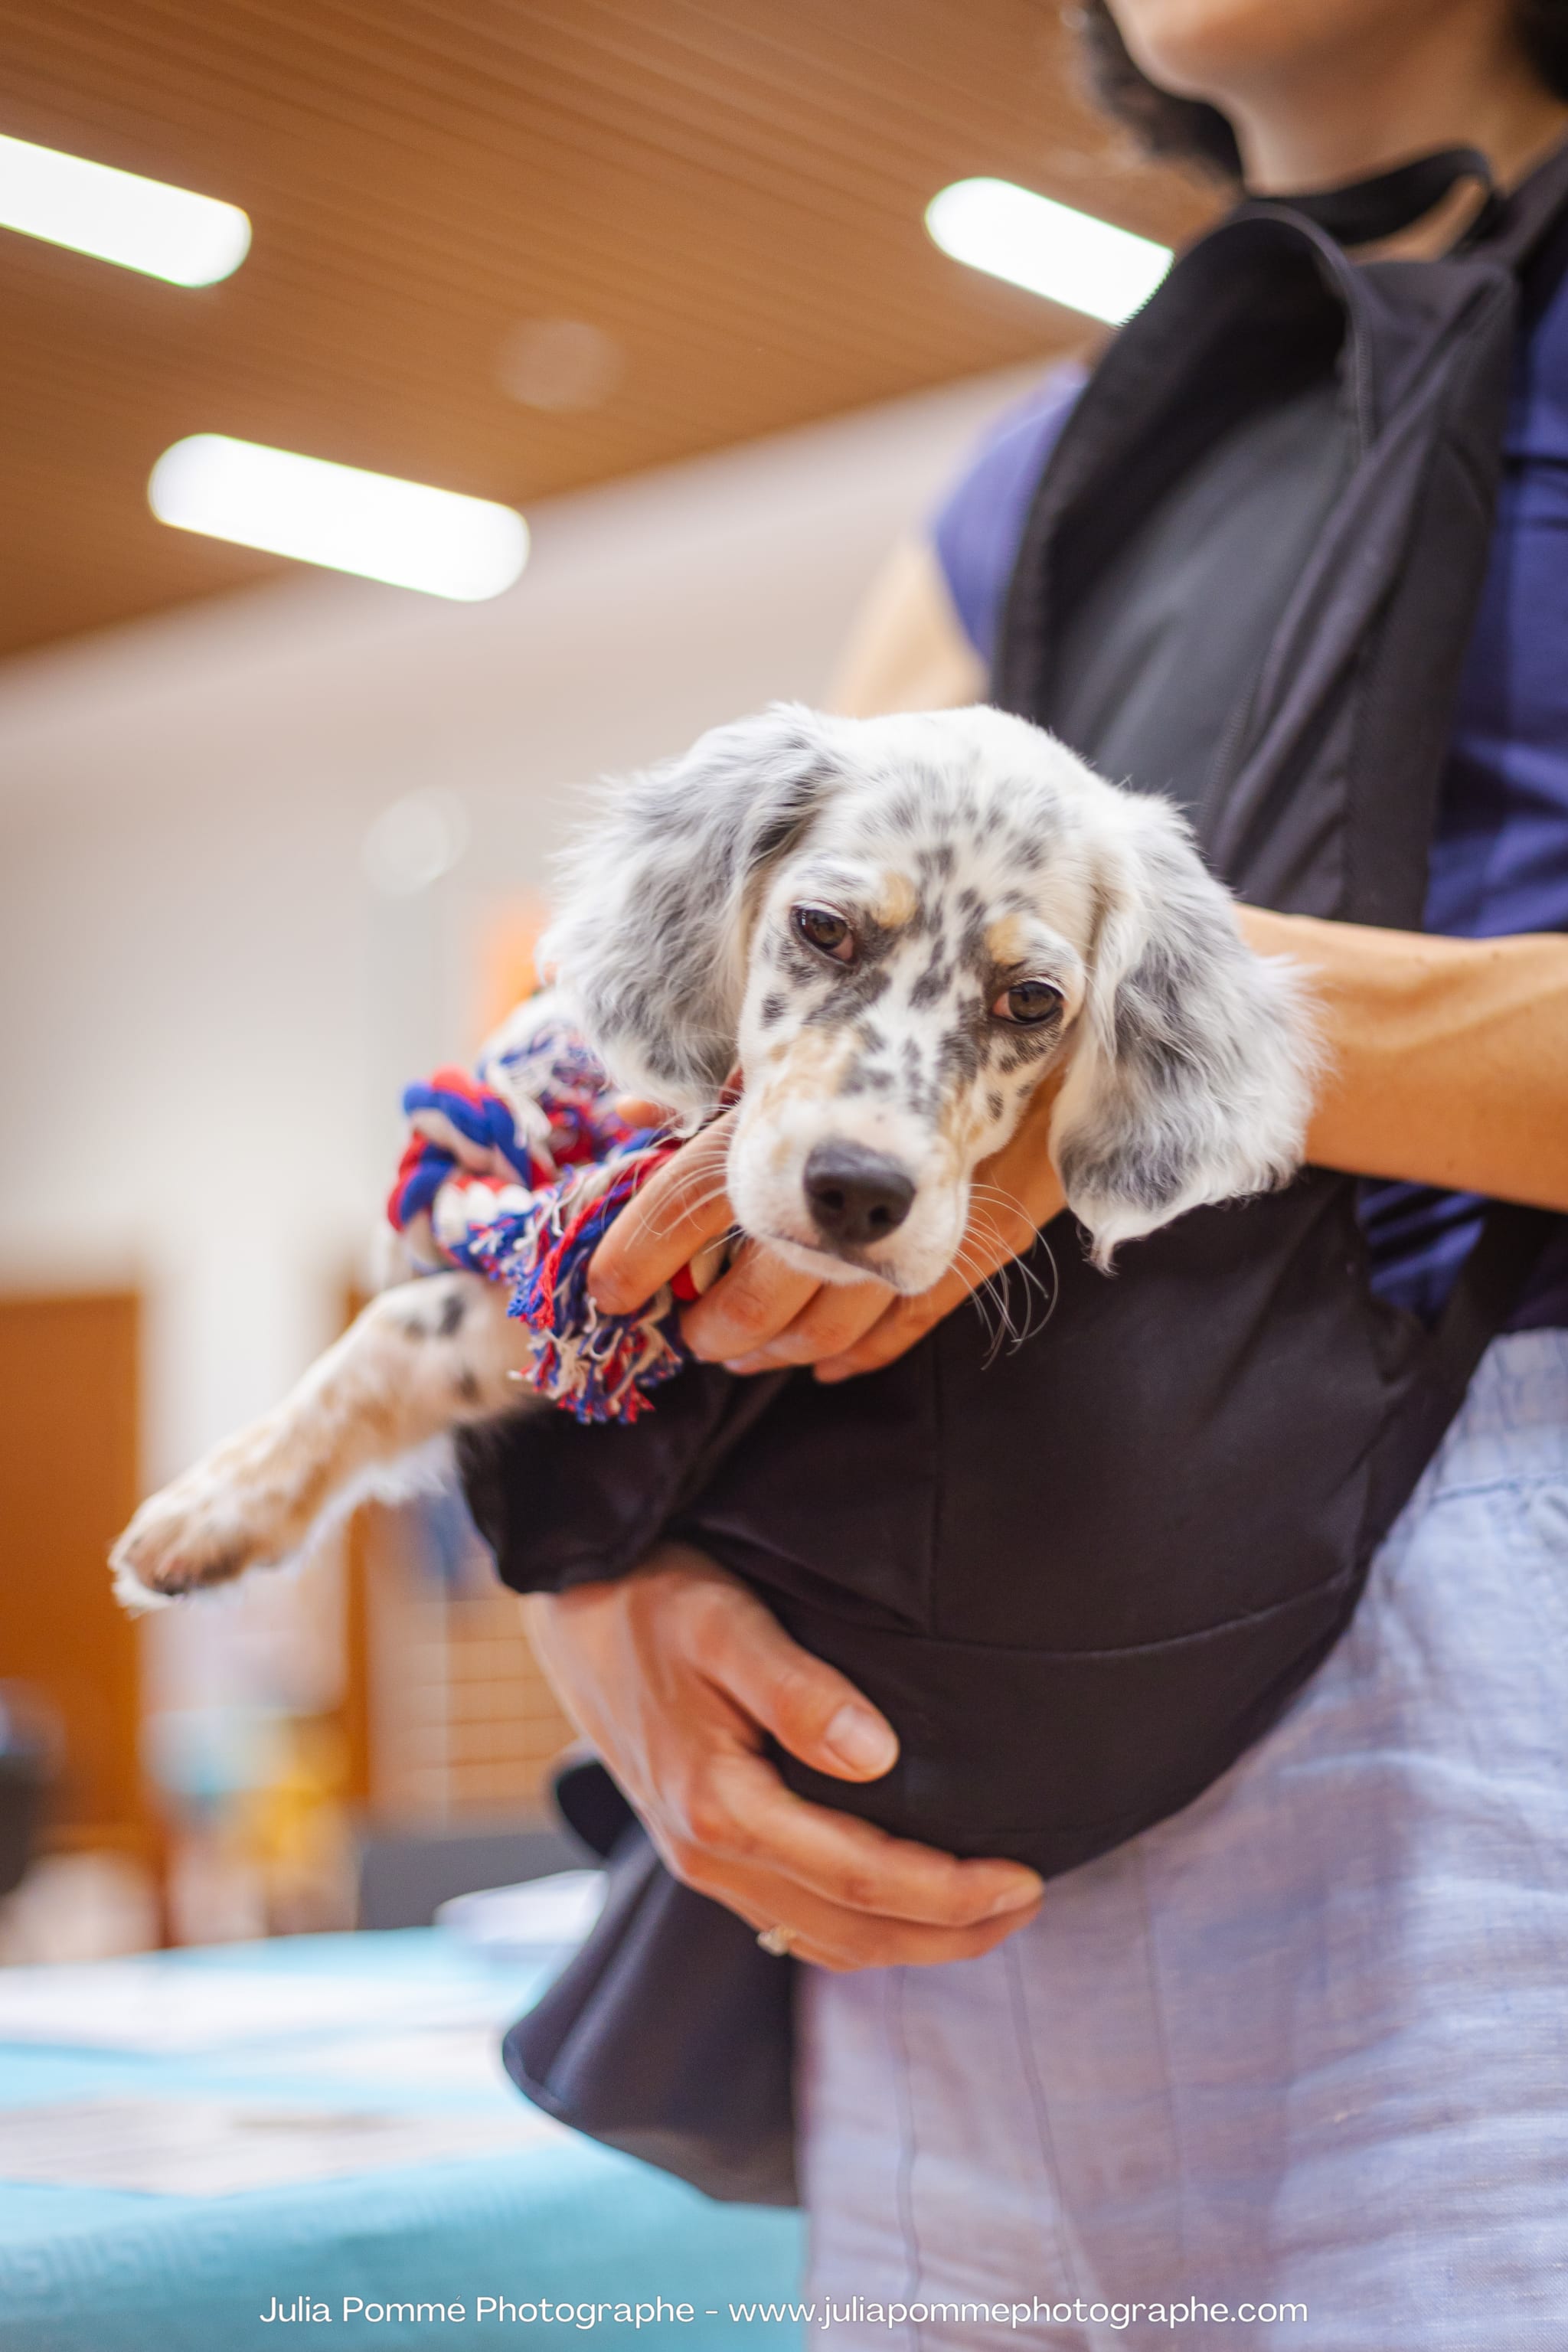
(895, 927)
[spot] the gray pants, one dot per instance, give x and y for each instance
(1306, 2043)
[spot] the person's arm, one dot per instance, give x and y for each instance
(907, 650)
(1446, 1059)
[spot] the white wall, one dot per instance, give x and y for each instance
(209, 1013)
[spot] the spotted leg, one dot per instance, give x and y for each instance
(424, 1358)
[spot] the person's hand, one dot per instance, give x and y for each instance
(762, 1314)
(675, 1676)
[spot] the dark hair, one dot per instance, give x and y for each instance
(1191, 130)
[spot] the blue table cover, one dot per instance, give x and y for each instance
(94, 2270)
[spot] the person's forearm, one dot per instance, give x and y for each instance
(1446, 1059)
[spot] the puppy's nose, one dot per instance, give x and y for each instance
(855, 1195)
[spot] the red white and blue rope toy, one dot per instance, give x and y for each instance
(517, 1173)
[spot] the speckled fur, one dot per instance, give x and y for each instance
(967, 848)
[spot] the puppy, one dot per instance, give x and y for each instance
(895, 928)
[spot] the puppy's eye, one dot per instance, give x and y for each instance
(1029, 1004)
(821, 928)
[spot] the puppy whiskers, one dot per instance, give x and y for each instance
(686, 1206)
(1039, 1301)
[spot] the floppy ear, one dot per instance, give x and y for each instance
(649, 943)
(1193, 1077)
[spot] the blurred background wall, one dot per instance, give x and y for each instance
(273, 841)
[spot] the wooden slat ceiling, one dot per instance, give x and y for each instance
(732, 190)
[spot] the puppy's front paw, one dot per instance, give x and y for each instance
(203, 1530)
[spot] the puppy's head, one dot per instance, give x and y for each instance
(895, 927)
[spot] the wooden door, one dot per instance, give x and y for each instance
(68, 1485)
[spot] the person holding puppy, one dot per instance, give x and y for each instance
(1297, 2042)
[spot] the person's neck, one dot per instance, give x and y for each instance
(1326, 125)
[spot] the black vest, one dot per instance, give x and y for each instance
(1080, 1579)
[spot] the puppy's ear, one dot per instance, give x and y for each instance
(649, 944)
(1193, 1076)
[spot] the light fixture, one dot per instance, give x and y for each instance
(164, 232)
(371, 524)
(1069, 256)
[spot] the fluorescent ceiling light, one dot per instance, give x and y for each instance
(142, 225)
(1067, 255)
(370, 524)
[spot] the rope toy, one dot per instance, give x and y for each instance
(517, 1173)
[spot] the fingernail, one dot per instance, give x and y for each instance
(861, 1740)
(745, 1363)
(1021, 1892)
(830, 1372)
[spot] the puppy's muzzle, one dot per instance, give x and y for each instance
(855, 1196)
